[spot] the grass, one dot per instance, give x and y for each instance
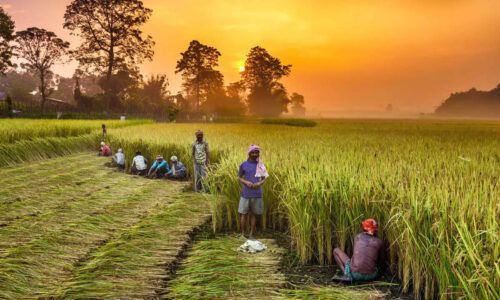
(290, 122)
(63, 233)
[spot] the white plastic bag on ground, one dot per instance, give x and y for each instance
(252, 247)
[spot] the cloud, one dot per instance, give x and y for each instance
(6, 6)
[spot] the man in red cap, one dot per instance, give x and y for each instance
(367, 249)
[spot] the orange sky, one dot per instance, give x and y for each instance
(346, 55)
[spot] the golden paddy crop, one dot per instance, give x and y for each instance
(432, 185)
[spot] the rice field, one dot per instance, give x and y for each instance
(433, 186)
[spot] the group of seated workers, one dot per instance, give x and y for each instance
(159, 169)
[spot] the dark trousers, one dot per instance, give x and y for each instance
(139, 172)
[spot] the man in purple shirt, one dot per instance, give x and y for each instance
(251, 196)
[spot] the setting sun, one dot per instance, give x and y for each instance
(242, 68)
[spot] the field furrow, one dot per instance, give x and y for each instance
(38, 267)
(21, 171)
(135, 265)
(214, 269)
(66, 207)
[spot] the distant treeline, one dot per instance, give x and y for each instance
(472, 104)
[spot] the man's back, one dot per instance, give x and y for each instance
(366, 253)
(140, 162)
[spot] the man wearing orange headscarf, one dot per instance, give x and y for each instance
(367, 249)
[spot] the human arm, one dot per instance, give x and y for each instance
(245, 182)
(207, 153)
(260, 183)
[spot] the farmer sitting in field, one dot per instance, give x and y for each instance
(367, 249)
(201, 160)
(105, 150)
(159, 169)
(118, 160)
(252, 174)
(139, 164)
(178, 170)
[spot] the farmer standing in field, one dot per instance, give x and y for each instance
(201, 160)
(104, 131)
(252, 174)
(367, 251)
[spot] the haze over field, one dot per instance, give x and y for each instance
(355, 56)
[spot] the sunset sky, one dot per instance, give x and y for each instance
(354, 55)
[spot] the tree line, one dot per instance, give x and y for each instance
(111, 50)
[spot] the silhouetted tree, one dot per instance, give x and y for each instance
(111, 36)
(41, 49)
(6, 36)
(118, 87)
(155, 93)
(472, 104)
(261, 76)
(297, 101)
(197, 68)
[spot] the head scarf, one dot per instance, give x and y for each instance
(199, 132)
(261, 169)
(120, 150)
(159, 157)
(370, 225)
(173, 158)
(103, 144)
(253, 148)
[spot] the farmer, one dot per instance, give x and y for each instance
(139, 164)
(367, 249)
(119, 159)
(159, 169)
(252, 174)
(178, 170)
(105, 150)
(201, 160)
(104, 131)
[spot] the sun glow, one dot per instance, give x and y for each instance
(242, 68)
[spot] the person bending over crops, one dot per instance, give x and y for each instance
(367, 251)
(252, 174)
(105, 150)
(178, 170)
(201, 160)
(159, 169)
(119, 159)
(139, 164)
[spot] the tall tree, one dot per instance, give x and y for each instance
(6, 36)
(40, 49)
(155, 94)
(111, 36)
(297, 101)
(261, 76)
(197, 67)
